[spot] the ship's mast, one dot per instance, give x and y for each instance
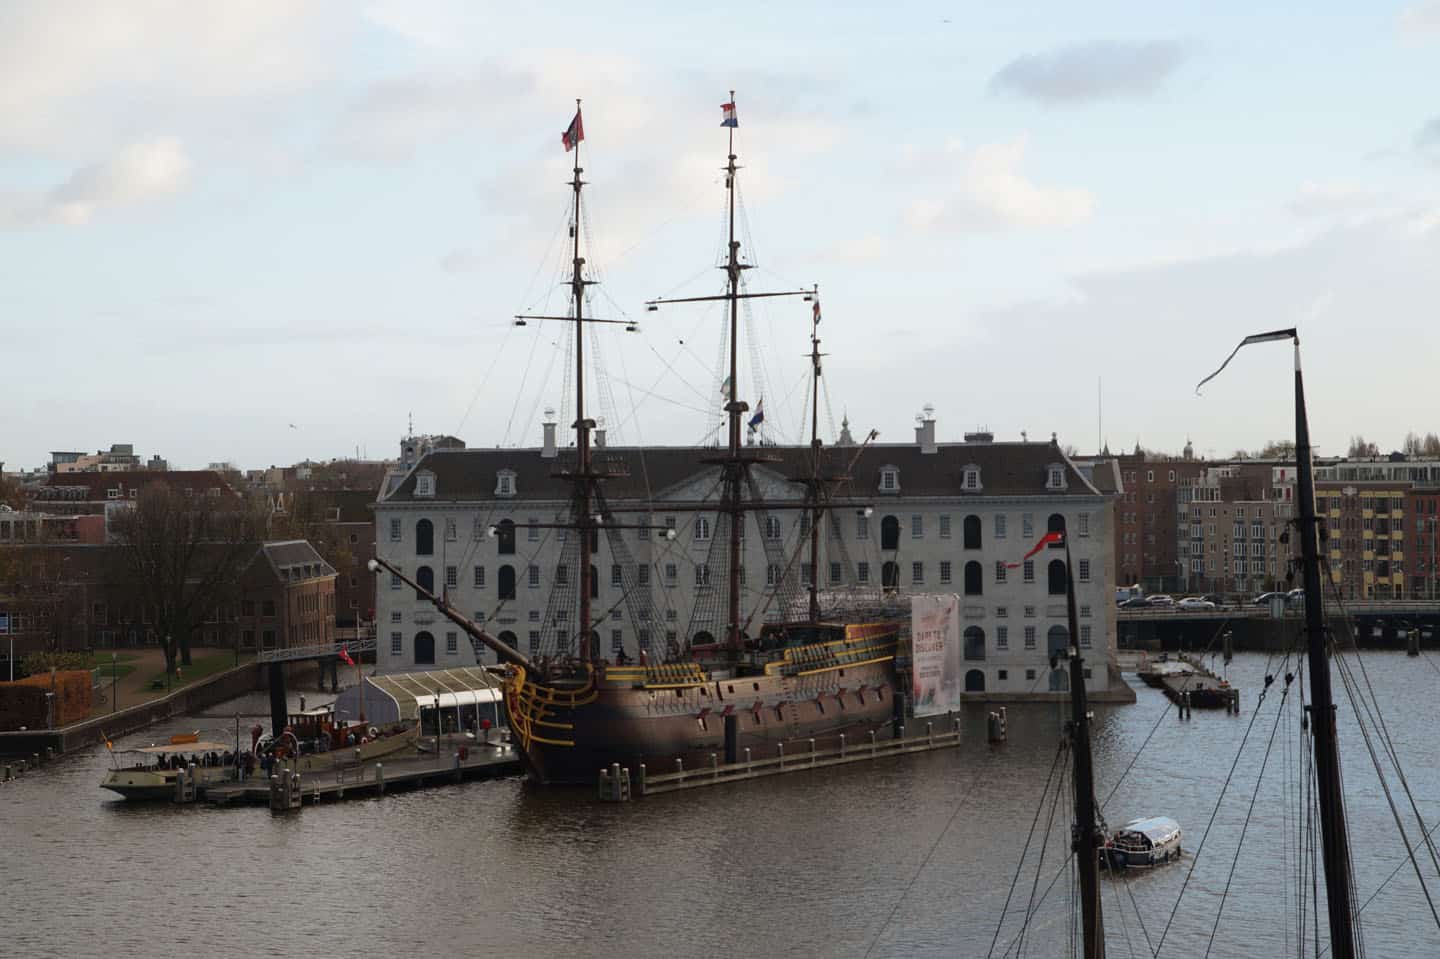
(815, 461)
(1085, 838)
(734, 408)
(584, 523)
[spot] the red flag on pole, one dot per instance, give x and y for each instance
(573, 134)
(345, 656)
(1055, 536)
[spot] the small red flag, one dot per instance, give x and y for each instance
(1055, 536)
(573, 134)
(345, 656)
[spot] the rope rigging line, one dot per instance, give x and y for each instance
(1250, 810)
(1195, 860)
(485, 379)
(1024, 851)
(1031, 907)
(524, 378)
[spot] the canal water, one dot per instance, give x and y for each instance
(904, 857)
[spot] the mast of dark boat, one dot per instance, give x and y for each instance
(584, 481)
(736, 463)
(1334, 835)
(1085, 837)
(815, 459)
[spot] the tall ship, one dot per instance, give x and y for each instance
(743, 678)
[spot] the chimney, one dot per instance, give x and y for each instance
(925, 430)
(600, 438)
(548, 449)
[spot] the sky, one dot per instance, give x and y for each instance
(268, 231)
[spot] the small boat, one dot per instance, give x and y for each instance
(1143, 842)
(152, 775)
(315, 740)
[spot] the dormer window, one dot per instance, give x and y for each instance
(970, 479)
(505, 483)
(889, 479)
(425, 484)
(1055, 476)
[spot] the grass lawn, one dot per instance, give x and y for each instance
(206, 664)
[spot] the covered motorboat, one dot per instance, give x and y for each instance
(1143, 842)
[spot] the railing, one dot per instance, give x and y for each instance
(289, 653)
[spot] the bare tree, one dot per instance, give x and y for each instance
(11, 494)
(1413, 444)
(1278, 450)
(1430, 446)
(1360, 447)
(310, 515)
(186, 555)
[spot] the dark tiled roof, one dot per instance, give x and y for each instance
(98, 484)
(1006, 469)
(290, 554)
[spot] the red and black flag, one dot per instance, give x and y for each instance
(574, 133)
(1054, 536)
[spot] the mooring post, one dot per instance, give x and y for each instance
(842, 745)
(642, 779)
(714, 767)
(873, 743)
(679, 769)
(781, 748)
(380, 777)
(929, 733)
(812, 752)
(749, 763)
(732, 738)
(1412, 647)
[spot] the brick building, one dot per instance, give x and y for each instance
(1148, 519)
(1422, 531)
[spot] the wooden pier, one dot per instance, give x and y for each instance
(617, 785)
(285, 789)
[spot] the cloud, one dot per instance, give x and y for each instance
(138, 173)
(1421, 19)
(1328, 199)
(1427, 141)
(1102, 70)
(992, 194)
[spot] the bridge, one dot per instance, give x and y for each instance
(1358, 609)
(1376, 624)
(292, 654)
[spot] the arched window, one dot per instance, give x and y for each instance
(972, 532)
(505, 533)
(424, 648)
(974, 578)
(507, 582)
(425, 579)
(890, 576)
(890, 533)
(974, 644)
(424, 538)
(1057, 577)
(1057, 640)
(1059, 680)
(509, 639)
(772, 574)
(772, 527)
(974, 681)
(702, 638)
(1055, 524)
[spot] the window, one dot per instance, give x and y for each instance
(862, 572)
(267, 610)
(617, 641)
(702, 574)
(452, 577)
(1027, 525)
(1029, 571)
(972, 532)
(424, 580)
(807, 574)
(395, 530)
(396, 616)
(1030, 644)
(1055, 524)
(889, 479)
(1056, 477)
(835, 573)
(452, 642)
(1082, 522)
(945, 526)
(397, 643)
(1085, 635)
(917, 527)
(974, 643)
(615, 576)
(534, 641)
(1002, 612)
(532, 576)
(424, 538)
(1002, 637)
(702, 528)
(1029, 612)
(672, 573)
(772, 527)
(1084, 612)
(1172, 476)
(890, 533)
(973, 584)
(505, 483)
(1084, 571)
(1149, 476)
(394, 580)
(425, 484)
(247, 608)
(917, 573)
(999, 525)
(970, 481)
(505, 533)
(479, 577)
(999, 571)
(450, 534)
(506, 585)
(642, 575)
(944, 571)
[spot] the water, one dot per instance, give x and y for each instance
(905, 857)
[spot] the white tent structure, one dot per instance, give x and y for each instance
(464, 698)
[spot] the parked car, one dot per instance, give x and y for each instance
(1195, 602)
(1296, 597)
(1139, 602)
(1264, 598)
(1160, 599)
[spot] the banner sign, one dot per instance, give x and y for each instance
(935, 653)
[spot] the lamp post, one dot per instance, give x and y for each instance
(114, 686)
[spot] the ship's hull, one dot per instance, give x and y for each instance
(153, 784)
(657, 724)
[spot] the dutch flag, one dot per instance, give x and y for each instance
(728, 110)
(759, 416)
